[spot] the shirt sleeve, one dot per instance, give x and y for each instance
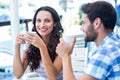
(99, 65)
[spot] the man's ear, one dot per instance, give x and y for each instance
(97, 23)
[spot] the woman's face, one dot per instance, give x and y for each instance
(44, 23)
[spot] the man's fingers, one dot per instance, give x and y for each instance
(73, 42)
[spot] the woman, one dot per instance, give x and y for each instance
(40, 54)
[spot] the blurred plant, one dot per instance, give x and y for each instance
(80, 16)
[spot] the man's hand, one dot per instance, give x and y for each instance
(63, 49)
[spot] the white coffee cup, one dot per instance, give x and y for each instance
(68, 38)
(26, 35)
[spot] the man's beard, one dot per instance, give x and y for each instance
(91, 35)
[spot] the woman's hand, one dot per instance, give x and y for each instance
(34, 39)
(20, 39)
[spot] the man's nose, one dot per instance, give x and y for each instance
(81, 28)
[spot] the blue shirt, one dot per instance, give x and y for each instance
(104, 64)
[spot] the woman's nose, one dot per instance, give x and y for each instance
(42, 24)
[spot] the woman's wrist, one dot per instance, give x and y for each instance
(43, 48)
(17, 45)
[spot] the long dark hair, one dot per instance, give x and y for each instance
(34, 56)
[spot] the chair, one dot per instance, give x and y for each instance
(80, 42)
(79, 60)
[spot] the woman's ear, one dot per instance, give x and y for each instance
(54, 25)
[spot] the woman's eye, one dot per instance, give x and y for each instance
(38, 20)
(47, 20)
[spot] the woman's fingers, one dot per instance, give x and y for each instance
(20, 39)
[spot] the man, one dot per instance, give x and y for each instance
(98, 22)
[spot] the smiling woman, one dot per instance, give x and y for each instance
(40, 53)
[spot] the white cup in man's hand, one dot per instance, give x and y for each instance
(68, 38)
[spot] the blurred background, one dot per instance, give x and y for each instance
(16, 16)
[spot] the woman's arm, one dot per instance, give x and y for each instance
(19, 65)
(52, 69)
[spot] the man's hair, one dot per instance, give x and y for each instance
(103, 10)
